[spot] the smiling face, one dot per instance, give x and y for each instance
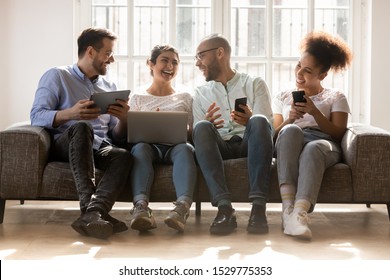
(103, 57)
(308, 74)
(207, 62)
(166, 66)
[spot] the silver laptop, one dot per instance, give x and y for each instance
(163, 127)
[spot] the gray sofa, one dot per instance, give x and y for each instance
(28, 173)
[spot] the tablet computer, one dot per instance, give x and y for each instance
(105, 99)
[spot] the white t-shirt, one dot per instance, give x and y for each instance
(327, 101)
(179, 101)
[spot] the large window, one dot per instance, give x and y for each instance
(264, 34)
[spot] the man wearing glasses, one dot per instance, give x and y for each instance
(222, 132)
(84, 137)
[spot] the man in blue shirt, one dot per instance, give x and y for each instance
(84, 137)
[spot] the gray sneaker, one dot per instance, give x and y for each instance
(177, 218)
(142, 218)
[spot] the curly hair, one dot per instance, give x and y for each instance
(331, 52)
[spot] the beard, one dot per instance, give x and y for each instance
(99, 67)
(213, 70)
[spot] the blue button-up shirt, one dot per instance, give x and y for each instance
(61, 88)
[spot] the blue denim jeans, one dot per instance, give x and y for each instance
(256, 145)
(75, 147)
(184, 169)
(302, 158)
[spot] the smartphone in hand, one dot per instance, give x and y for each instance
(239, 101)
(298, 96)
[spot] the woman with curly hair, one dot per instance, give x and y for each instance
(308, 131)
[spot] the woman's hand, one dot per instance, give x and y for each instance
(306, 107)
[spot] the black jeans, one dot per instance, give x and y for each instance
(75, 146)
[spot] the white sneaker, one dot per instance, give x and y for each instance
(297, 225)
(286, 215)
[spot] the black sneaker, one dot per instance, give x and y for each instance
(225, 221)
(92, 224)
(117, 226)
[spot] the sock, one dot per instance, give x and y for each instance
(287, 193)
(302, 205)
(224, 202)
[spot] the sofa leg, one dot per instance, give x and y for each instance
(388, 209)
(368, 205)
(2, 209)
(198, 207)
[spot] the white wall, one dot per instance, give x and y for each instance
(35, 35)
(380, 63)
(38, 34)
(6, 61)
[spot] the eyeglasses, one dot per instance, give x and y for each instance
(199, 55)
(109, 54)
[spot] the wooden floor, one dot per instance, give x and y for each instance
(40, 230)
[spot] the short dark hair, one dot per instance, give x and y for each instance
(330, 52)
(93, 37)
(159, 49)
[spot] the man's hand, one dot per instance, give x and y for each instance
(212, 117)
(82, 110)
(119, 110)
(242, 118)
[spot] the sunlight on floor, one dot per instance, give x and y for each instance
(91, 254)
(347, 247)
(41, 230)
(6, 253)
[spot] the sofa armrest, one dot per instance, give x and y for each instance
(366, 149)
(24, 152)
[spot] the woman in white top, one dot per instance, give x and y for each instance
(308, 133)
(162, 96)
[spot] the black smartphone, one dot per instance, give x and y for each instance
(298, 96)
(239, 101)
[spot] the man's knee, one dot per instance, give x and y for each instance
(82, 128)
(201, 128)
(124, 156)
(260, 124)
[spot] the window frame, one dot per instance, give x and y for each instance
(358, 17)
